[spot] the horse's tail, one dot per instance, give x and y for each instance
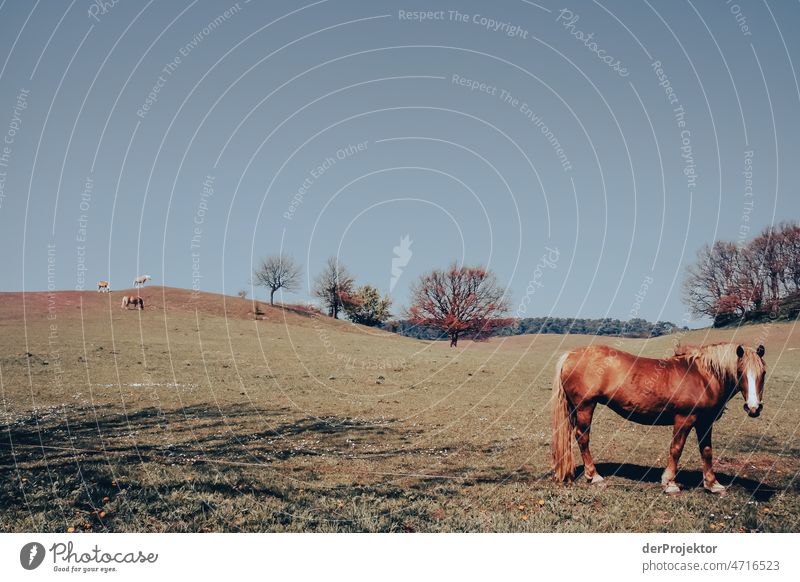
(563, 428)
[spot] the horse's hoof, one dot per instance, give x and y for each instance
(716, 488)
(598, 481)
(672, 489)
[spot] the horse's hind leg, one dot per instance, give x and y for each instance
(583, 425)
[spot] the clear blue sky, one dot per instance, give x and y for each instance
(490, 132)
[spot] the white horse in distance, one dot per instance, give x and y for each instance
(141, 280)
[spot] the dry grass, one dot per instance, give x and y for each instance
(193, 416)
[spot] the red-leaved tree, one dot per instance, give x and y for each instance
(459, 301)
(730, 281)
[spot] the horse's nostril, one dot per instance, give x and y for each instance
(753, 411)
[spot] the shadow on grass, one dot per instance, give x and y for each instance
(185, 435)
(64, 463)
(765, 444)
(689, 479)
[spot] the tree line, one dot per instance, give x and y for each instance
(634, 328)
(335, 288)
(453, 303)
(457, 302)
(740, 281)
(729, 282)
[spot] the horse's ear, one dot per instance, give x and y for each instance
(760, 351)
(739, 351)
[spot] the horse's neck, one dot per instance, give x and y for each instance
(727, 386)
(730, 388)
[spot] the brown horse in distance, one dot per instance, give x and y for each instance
(128, 302)
(688, 390)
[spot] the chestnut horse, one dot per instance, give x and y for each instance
(127, 302)
(688, 390)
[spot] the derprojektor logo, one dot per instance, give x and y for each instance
(31, 555)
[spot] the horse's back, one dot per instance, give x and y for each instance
(646, 390)
(604, 358)
(595, 364)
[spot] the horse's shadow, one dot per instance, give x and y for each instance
(689, 479)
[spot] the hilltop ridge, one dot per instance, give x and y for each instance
(156, 297)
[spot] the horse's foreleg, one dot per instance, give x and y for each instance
(710, 482)
(583, 425)
(683, 424)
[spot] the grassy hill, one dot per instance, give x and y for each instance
(192, 415)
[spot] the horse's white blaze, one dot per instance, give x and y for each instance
(752, 393)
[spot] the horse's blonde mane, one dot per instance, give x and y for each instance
(717, 359)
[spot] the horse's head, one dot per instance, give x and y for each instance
(750, 374)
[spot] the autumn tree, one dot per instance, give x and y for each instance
(334, 286)
(711, 283)
(367, 307)
(768, 256)
(278, 272)
(777, 250)
(459, 301)
(790, 240)
(730, 280)
(750, 280)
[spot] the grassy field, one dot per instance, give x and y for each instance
(193, 416)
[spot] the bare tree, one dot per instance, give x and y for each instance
(334, 286)
(768, 255)
(712, 280)
(791, 245)
(459, 301)
(278, 272)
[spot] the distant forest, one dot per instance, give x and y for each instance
(637, 328)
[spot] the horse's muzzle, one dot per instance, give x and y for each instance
(753, 412)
